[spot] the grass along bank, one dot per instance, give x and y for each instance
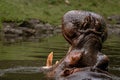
(51, 11)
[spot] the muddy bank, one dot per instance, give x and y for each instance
(114, 24)
(35, 30)
(113, 29)
(29, 30)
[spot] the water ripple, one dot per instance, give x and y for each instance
(27, 70)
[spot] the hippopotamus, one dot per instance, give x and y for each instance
(85, 31)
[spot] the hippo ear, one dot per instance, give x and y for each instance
(87, 21)
(49, 60)
(87, 18)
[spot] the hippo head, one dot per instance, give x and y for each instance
(76, 30)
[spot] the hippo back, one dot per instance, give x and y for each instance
(87, 75)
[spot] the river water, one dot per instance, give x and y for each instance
(22, 61)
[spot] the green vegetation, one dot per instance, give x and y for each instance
(52, 10)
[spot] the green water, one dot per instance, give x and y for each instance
(34, 50)
(22, 61)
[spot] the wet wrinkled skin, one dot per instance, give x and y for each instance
(85, 32)
(87, 74)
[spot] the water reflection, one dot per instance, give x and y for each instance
(22, 70)
(112, 49)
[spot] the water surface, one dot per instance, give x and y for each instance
(22, 61)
